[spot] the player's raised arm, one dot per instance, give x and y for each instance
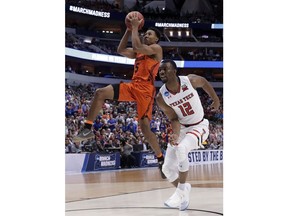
(122, 47)
(201, 82)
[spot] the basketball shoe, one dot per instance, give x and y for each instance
(175, 201)
(185, 198)
(84, 134)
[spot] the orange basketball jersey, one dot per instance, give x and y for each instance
(145, 68)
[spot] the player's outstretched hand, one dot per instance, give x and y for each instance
(215, 105)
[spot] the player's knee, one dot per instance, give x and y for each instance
(183, 166)
(182, 157)
(169, 173)
(145, 127)
(99, 92)
(181, 153)
(102, 93)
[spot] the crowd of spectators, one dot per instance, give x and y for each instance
(194, 54)
(78, 42)
(118, 122)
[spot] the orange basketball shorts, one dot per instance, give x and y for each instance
(142, 93)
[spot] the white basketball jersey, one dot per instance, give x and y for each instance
(186, 103)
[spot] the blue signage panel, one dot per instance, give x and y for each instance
(145, 159)
(96, 161)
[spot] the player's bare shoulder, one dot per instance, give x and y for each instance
(158, 52)
(195, 80)
(192, 77)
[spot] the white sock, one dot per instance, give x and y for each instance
(181, 186)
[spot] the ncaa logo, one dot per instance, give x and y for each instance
(166, 93)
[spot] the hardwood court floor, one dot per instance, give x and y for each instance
(142, 192)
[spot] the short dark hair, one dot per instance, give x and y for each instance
(171, 62)
(157, 32)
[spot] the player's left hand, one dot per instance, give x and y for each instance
(215, 105)
(173, 138)
(135, 22)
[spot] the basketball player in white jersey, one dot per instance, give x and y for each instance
(179, 100)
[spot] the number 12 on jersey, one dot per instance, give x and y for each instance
(186, 109)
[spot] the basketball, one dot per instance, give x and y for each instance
(127, 21)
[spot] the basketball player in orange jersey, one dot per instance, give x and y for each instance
(147, 57)
(179, 100)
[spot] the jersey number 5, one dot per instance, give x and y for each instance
(186, 109)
